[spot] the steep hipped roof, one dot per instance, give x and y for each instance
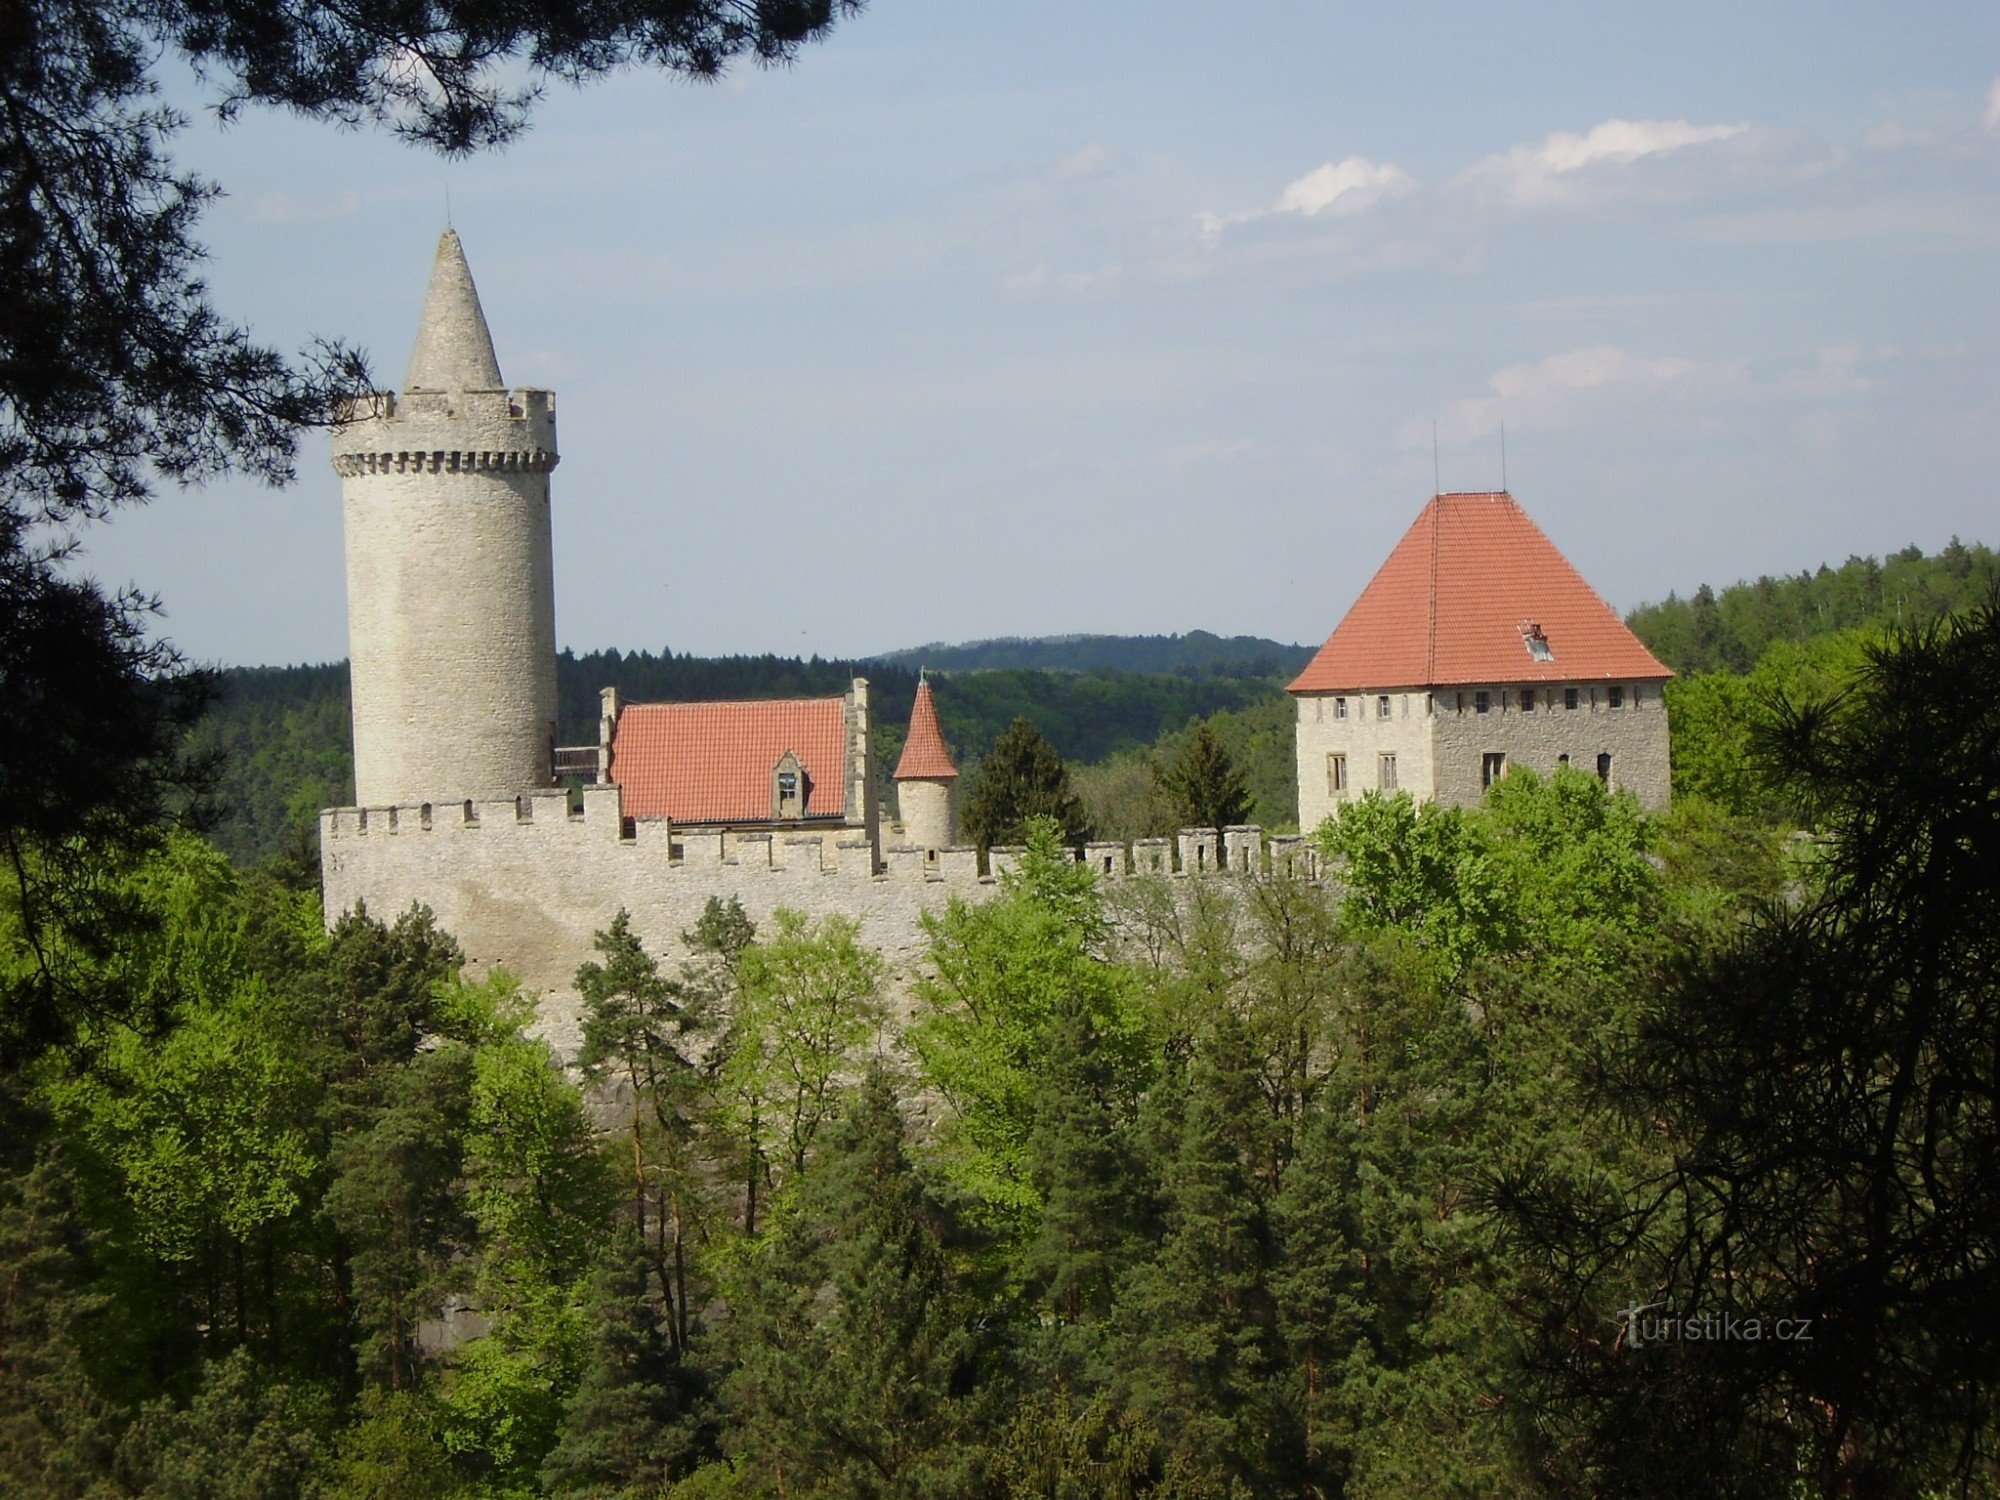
(712, 762)
(1460, 601)
(454, 350)
(924, 756)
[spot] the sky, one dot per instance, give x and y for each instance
(1139, 316)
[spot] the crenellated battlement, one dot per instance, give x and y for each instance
(548, 818)
(447, 432)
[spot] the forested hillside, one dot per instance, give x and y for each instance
(1731, 629)
(1199, 652)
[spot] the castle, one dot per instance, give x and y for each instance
(458, 779)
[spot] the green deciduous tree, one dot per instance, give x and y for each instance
(1427, 870)
(1008, 971)
(809, 998)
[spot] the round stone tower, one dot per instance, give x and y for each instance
(925, 778)
(450, 584)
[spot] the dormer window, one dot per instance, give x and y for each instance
(1536, 642)
(789, 789)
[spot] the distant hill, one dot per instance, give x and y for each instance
(1199, 653)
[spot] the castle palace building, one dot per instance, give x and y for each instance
(1477, 648)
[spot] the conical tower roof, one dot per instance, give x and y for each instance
(1476, 593)
(454, 351)
(924, 755)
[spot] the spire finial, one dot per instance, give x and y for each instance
(454, 351)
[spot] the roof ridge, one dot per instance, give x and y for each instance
(733, 702)
(1431, 624)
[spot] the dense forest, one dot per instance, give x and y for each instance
(1447, 1178)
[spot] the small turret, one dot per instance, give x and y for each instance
(926, 778)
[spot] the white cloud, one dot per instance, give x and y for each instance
(1342, 187)
(1534, 174)
(1351, 185)
(1547, 392)
(1094, 160)
(1993, 107)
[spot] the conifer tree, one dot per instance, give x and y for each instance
(633, 1420)
(635, 1029)
(57, 1435)
(1201, 1352)
(1021, 778)
(1321, 1296)
(1083, 1170)
(856, 1347)
(396, 1199)
(1203, 785)
(1823, 1083)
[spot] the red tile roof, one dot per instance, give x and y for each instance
(712, 762)
(924, 755)
(1458, 602)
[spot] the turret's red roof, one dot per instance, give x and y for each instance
(924, 755)
(1459, 601)
(712, 762)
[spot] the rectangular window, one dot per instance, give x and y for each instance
(1387, 770)
(1638, 690)
(1492, 766)
(1336, 773)
(1615, 695)
(1340, 708)
(1569, 698)
(1604, 768)
(1527, 700)
(1382, 707)
(1481, 702)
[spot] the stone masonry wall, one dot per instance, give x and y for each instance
(1635, 736)
(1363, 737)
(524, 884)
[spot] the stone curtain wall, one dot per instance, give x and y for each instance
(524, 884)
